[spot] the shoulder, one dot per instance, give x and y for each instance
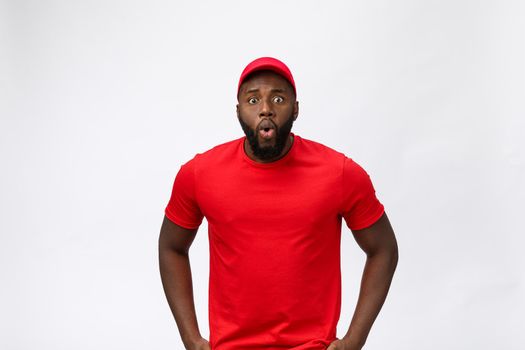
(223, 152)
(326, 154)
(315, 148)
(322, 155)
(354, 171)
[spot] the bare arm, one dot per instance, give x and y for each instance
(175, 272)
(379, 243)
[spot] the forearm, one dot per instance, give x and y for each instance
(176, 278)
(377, 276)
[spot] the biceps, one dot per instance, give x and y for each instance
(175, 237)
(377, 238)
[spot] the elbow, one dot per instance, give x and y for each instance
(394, 258)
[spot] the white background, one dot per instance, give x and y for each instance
(102, 101)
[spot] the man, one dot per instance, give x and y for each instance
(274, 203)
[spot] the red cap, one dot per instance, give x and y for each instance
(267, 63)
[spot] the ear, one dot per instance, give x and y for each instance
(295, 110)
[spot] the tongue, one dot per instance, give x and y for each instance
(266, 134)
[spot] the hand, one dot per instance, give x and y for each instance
(342, 344)
(201, 344)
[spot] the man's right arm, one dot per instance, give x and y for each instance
(175, 272)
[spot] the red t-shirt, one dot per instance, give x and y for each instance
(274, 233)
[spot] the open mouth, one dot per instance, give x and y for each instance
(267, 133)
(266, 129)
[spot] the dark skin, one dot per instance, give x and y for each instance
(380, 246)
(268, 95)
(175, 272)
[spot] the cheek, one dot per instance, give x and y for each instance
(285, 111)
(247, 117)
(249, 112)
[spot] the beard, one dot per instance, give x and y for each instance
(268, 152)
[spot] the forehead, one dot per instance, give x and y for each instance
(265, 78)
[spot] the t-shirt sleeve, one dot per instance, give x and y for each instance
(360, 206)
(182, 207)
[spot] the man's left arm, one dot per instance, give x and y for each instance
(379, 243)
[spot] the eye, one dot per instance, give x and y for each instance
(278, 99)
(252, 100)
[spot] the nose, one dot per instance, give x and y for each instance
(266, 109)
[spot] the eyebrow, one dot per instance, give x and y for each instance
(272, 90)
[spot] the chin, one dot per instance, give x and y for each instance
(263, 143)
